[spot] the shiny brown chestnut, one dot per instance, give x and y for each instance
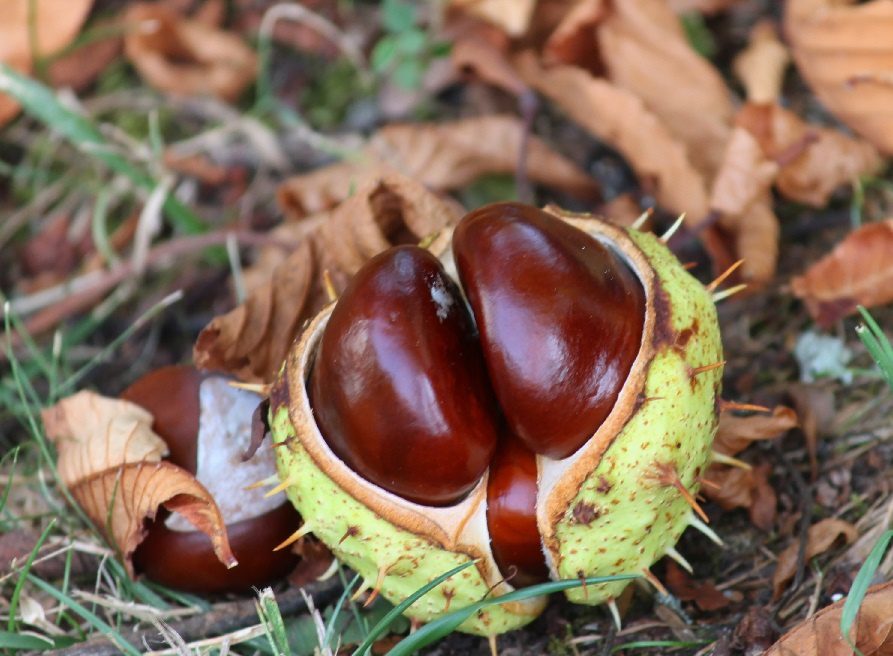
(185, 560)
(560, 318)
(511, 514)
(398, 388)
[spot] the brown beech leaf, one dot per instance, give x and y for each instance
(703, 593)
(574, 41)
(745, 175)
(859, 271)
(511, 16)
(442, 156)
(645, 51)
(819, 635)
(813, 160)
(186, 57)
(821, 537)
(55, 24)
(736, 433)
(473, 53)
(734, 487)
(251, 341)
(109, 459)
(94, 433)
(761, 66)
(621, 120)
(80, 67)
(845, 53)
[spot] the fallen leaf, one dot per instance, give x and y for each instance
(646, 51)
(575, 41)
(251, 341)
(511, 16)
(80, 67)
(859, 271)
(845, 53)
(735, 433)
(315, 561)
(621, 120)
(813, 160)
(703, 593)
(182, 56)
(821, 537)
(54, 23)
(109, 458)
(745, 175)
(761, 65)
(819, 635)
(441, 156)
(702, 6)
(755, 237)
(735, 487)
(473, 53)
(815, 409)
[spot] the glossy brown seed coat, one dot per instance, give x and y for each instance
(511, 514)
(399, 389)
(560, 319)
(185, 560)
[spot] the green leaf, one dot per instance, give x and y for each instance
(384, 54)
(699, 36)
(397, 15)
(408, 74)
(15, 640)
(412, 42)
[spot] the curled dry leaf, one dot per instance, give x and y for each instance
(819, 635)
(511, 16)
(821, 537)
(761, 65)
(109, 459)
(441, 156)
(55, 24)
(251, 341)
(734, 487)
(859, 271)
(640, 46)
(736, 433)
(477, 53)
(80, 68)
(181, 56)
(621, 120)
(845, 53)
(703, 593)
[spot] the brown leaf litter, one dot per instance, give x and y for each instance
(110, 460)
(859, 271)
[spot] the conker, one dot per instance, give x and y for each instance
(511, 514)
(185, 560)
(398, 388)
(560, 318)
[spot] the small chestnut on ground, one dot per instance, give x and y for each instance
(204, 423)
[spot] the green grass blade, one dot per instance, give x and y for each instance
(877, 344)
(20, 583)
(41, 102)
(654, 644)
(443, 626)
(91, 618)
(382, 626)
(330, 628)
(12, 640)
(860, 587)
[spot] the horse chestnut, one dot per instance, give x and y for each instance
(399, 388)
(180, 556)
(560, 317)
(603, 353)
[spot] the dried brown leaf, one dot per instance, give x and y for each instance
(55, 24)
(574, 41)
(813, 160)
(621, 120)
(80, 68)
(736, 433)
(441, 156)
(745, 175)
(703, 593)
(734, 487)
(821, 537)
(511, 16)
(186, 57)
(486, 58)
(845, 53)
(109, 459)
(645, 51)
(761, 66)
(251, 341)
(756, 234)
(819, 635)
(859, 271)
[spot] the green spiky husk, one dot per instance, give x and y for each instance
(621, 519)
